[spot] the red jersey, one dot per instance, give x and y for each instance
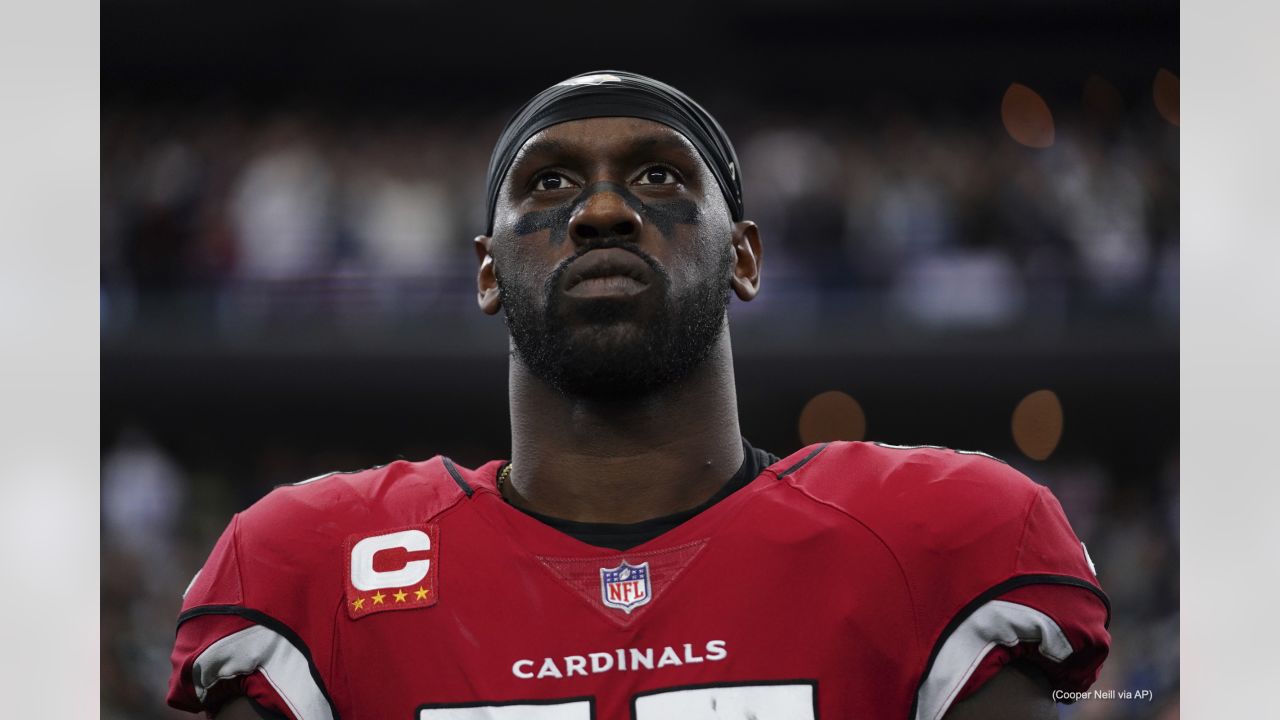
(849, 580)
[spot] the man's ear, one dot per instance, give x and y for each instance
(488, 296)
(747, 257)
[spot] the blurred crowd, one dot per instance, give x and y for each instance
(950, 223)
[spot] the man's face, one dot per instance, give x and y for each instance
(613, 253)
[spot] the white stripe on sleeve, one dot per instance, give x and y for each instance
(997, 622)
(258, 648)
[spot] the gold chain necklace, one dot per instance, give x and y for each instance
(502, 480)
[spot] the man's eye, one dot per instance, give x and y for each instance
(552, 181)
(657, 175)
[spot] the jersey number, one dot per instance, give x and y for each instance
(794, 701)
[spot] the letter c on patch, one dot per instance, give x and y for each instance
(365, 578)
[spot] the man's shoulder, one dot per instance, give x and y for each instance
(840, 469)
(926, 492)
(340, 503)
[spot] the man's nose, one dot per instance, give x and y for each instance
(605, 214)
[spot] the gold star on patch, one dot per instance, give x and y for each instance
(422, 594)
(377, 598)
(400, 596)
(358, 603)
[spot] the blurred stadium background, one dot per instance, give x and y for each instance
(971, 225)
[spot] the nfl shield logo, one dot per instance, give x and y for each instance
(625, 587)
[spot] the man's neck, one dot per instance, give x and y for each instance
(624, 462)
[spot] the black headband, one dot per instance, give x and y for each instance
(614, 93)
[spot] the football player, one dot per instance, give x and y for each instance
(637, 559)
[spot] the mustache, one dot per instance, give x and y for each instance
(557, 273)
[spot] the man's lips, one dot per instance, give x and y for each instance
(607, 272)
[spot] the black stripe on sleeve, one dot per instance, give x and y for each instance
(803, 461)
(992, 593)
(260, 618)
(457, 477)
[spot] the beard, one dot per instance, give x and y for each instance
(616, 349)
